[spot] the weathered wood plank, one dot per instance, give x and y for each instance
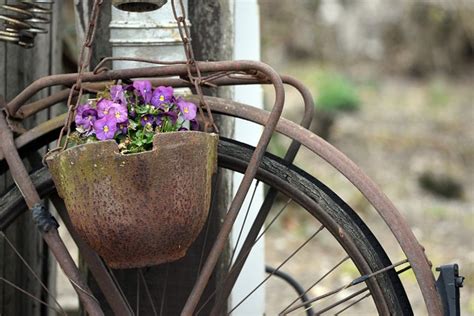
(3, 76)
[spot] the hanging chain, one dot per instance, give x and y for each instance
(197, 79)
(84, 60)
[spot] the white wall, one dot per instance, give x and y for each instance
(247, 46)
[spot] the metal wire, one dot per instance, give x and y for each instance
(148, 293)
(32, 271)
(278, 268)
(30, 295)
(266, 228)
(356, 281)
(317, 282)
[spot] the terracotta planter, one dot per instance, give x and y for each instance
(140, 209)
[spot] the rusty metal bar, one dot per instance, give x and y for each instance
(239, 198)
(29, 109)
(147, 72)
(33, 134)
(112, 294)
(42, 104)
(51, 237)
(266, 206)
(361, 181)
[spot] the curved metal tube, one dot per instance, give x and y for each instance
(360, 180)
(147, 72)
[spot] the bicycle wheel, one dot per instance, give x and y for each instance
(334, 215)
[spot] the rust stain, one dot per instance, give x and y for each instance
(147, 213)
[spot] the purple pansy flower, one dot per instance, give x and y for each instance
(85, 117)
(119, 113)
(123, 127)
(194, 125)
(117, 95)
(161, 95)
(147, 119)
(188, 109)
(158, 120)
(132, 113)
(105, 128)
(104, 107)
(173, 116)
(144, 90)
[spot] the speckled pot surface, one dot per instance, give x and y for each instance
(140, 209)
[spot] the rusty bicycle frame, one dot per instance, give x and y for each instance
(218, 74)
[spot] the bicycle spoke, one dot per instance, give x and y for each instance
(32, 271)
(240, 261)
(267, 227)
(138, 295)
(278, 268)
(356, 281)
(316, 283)
(317, 298)
(341, 301)
(165, 285)
(352, 304)
(114, 278)
(32, 296)
(147, 290)
(244, 221)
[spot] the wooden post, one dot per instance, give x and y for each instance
(18, 68)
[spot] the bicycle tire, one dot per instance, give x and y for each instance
(314, 196)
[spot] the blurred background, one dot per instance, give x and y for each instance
(393, 84)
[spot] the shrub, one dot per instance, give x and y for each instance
(336, 93)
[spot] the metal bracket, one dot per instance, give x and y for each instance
(448, 284)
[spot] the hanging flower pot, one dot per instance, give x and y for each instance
(136, 207)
